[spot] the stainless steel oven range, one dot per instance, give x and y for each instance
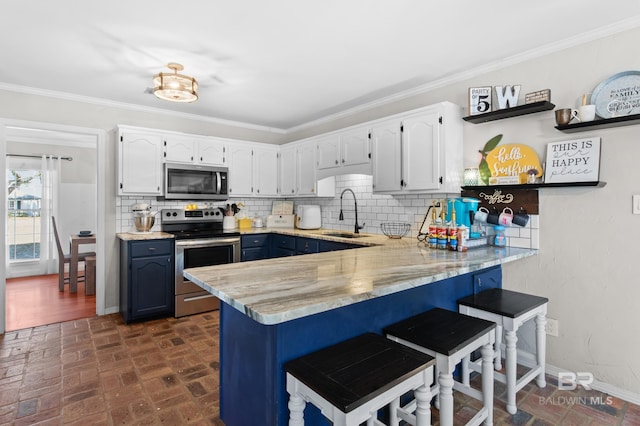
(200, 241)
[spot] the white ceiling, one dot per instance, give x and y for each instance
(280, 63)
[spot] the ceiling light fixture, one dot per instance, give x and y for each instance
(175, 87)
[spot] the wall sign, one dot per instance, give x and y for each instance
(479, 100)
(573, 161)
(499, 198)
(513, 160)
(508, 96)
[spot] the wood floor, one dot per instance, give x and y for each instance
(34, 301)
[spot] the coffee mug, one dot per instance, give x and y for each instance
(506, 217)
(563, 116)
(481, 215)
(584, 113)
(521, 218)
(493, 217)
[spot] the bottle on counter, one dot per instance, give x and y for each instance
(433, 230)
(463, 238)
(452, 231)
(442, 231)
(499, 239)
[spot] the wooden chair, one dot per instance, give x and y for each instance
(66, 258)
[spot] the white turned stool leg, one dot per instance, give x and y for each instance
(465, 370)
(296, 410)
(445, 380)
(498, 348)
(423, 406)
(487, 381)
(511, 360)
(393, 412)
(541, 348)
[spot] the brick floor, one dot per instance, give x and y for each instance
(99, 371)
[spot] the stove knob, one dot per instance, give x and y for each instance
(175, 214)
(206, 213)
(168, 214)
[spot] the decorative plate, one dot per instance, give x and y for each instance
(618, 95)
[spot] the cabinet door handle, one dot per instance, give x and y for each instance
(152, 249)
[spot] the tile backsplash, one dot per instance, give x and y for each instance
(373, 209)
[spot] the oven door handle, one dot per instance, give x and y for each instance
(211, 242)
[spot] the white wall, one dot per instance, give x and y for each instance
(587, 236)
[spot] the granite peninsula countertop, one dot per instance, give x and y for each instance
(272, 291)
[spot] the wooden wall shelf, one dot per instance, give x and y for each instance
(604, 123)
(510, 112)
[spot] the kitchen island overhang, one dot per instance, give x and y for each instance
(279, 309)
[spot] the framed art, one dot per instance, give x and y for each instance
(573, 161)
(479, 100)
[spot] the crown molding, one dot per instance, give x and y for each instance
(123, 105)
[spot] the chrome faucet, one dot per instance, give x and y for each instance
(357, 227)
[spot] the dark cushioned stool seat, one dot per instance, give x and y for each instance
(353, 373)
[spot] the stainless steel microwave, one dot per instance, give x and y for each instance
(195, 182)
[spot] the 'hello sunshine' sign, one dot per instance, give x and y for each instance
(513, 160)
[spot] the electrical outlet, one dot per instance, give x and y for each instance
(636, 204)
(552, 327)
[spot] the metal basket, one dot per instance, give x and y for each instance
(395, 229)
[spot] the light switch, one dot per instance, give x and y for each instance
(636, 204)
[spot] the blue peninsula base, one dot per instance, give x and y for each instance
(252, 380)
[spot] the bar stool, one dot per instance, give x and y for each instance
(449, 337)
(509, 310)
(350, 381)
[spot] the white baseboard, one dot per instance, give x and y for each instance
(527, 359)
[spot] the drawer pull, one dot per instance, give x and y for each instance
(193, 299)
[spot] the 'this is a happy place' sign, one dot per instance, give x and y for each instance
(573, 161)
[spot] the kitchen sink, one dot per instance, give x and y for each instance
(344, 234)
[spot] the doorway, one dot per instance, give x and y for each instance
(31, 259)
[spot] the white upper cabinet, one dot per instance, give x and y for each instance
(344, 152)
(306, 169)
(265, 171)
(194, 149)
(328, 151)
(240, 169)
(420, 152)
(288, 171)
(386, 150)
(426, 156)
(354, 145)
(253, 169)
(179, 149)
(211, 151)
(298, 172)
(140, 170)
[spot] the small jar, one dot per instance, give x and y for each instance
(499, 239)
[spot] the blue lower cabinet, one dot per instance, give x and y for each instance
(255, 247)
(307, 245)
(283, 245)
(146, 279)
